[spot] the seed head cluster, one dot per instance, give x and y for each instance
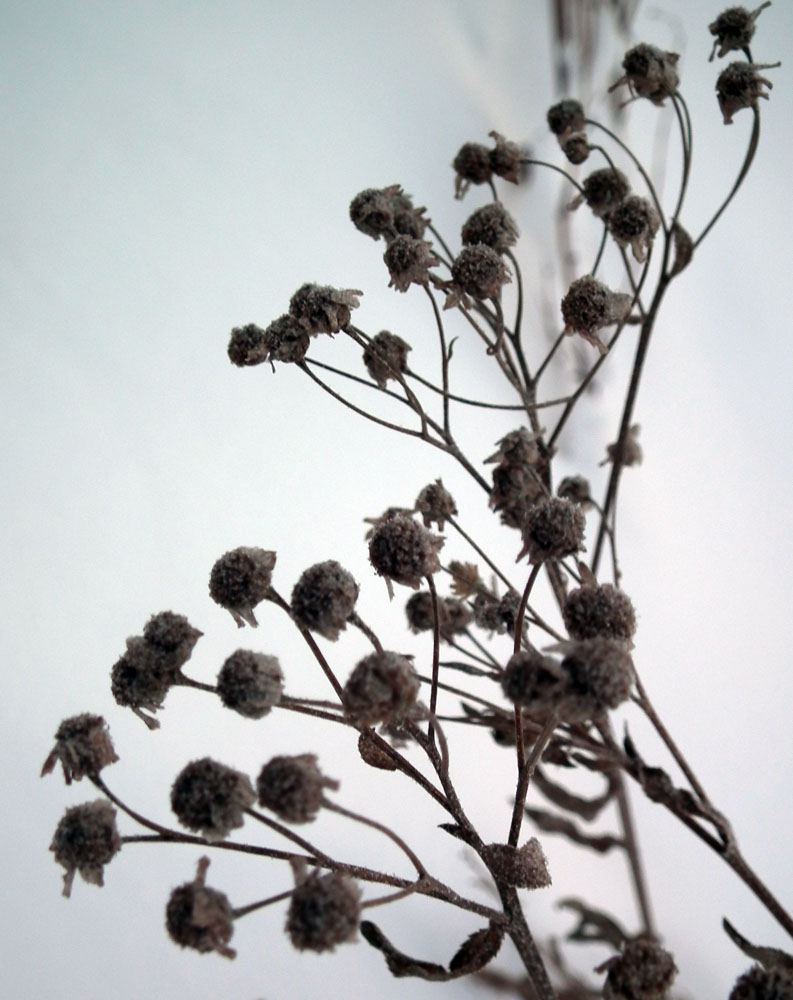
(250, 684)
(322, 309)
(387, 212)
(385, 357)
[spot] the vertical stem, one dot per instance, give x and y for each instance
(436, 641)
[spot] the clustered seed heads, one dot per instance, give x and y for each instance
(324, 911)
(517, 477)
(85, 840)
(740, 86)
(200, 918)
(383, 687)
(324, 598)
(322, 309)
(387, 212)
(567, 120)
(453, 616)
(553, 529)
(285, 340)
(250, 684)
(492, 225)
(524, 867)
(476, 164)
(644, 971)
(83, 746)
(386, 357)
(240, 580)
(497, 615)
(649, 73)
(401, 550)
(293, 787)
(734, 29)
(589, 305)
(210, 798)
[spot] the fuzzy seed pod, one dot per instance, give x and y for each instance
(734, 29)
(250, 683)
(322, 309)
(472, 166)
(453, 615)
(385, 356)
(401, 550)
(565, 117)
(435, 504)
(554, 528)
(240, 580)
(479, 271)
(575, 488)
(173, 635)
(85, 840)
(524, 867)
(83, 746)
(200, 918)
(293, 787)
(763, 984)
(142, 677)
(534, 681)
(599, 676)
(210, 798)
(383, 687)
(497, 615)
(644, 971)
(386, 212)
(492, 225)
(603, 191)
(631, 451)
(286, 340)
(740, 86)
(589, 306)
(248, 345)
(649, 73)
(324, 598)
(409, 260)
(599, 610)
(323, 912)
(519, 447)
(634, 223)
(505, 158)
(576, 148)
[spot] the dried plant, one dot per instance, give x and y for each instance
(537, 655)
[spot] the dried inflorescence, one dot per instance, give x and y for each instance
(599, 610)
(386, 357)
(734, 29)
(518, 477)
(477, 271)
(453, 616)
(649, 73)
(85, 840)
(740, 86)
(644, 971)
(383, 687)
(200, 918)
(759, 983)
(322, 309)
(387, 212)
(409, 260)
(285, 340)
(634, 223)
(250, 684)
(566, 117)
(603, 191)
(524, 867)
(627, 453)
(435, 504)
(293, 787)
(577, 489)
(476, 163)
(248, 345)
(240, 580)
(401, 550)
(83, 746)
(324, 598)
(553, 529)
(324, 911)
(599, 676)
(589, 305)
(211, 798)
(496, 614)
(492, 225)
(534, 681)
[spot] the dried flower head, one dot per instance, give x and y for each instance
(83, 746)
(323, 912)
(575, 488)
(516, 489)
(599, 677)
(435, 504)
(634, 223)
(740, 86)
(554, 528)
(519, 447)
(644, 971)
(240, 580)
(565, 117)
(386, 212)
(250, 683)
(589, 305)
(409, 260)
(172, 635)
(465, 578)
(293, 787)
(505, 158)
(286, 340)
(734, 29)
(775, 983)
(497, 614)
(603, 191)
(85, 840)
(524, 867)
(575, 147)
(200, 918)
(322, 309)
(477, 271)
(383, 687)
(142, 677)
(248, 345)
(599, 610)
(535, 681)
(492, 225)
(472, 166)
(453, 616)
(401, 550)
(630, 453)
(324, 598)
(385, 356)
(211, 798)
(649, 73)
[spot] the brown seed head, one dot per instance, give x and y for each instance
(401, 550)
(383, 687)
(85, 840)
(250, 683)
(740, 86)
(589, 305)
(435, 504)
(649, 73)
(479, 271)
(576, 148)
(211, 798)
(200, 918)
(634, 223)
(565, 117)
(534, 681)
(323, 912)
(293, 787)
(734, 29)
(644, 971)
(409, 260)
(472, 166)
(286, 340)
(553, 529)
(759, 983)
(492, 225)
(603, 191)
(322, 309)
(248, 345)
(83, 746)
(505, 158)
(575, 488)
(385, 356)
(173, 635)
(386, 212)
(240, 580)
(599, 610)
(324, 598)
(599, 677)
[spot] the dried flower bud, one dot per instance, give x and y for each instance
(409, 260)
(472, 165)
(760, 983)
(211, 798)
(554, 528)
(575, 488)
(634, 223)
(460, 616)
(142, 677)
(599, 610)
(477, 271)
(734, 29)
(453, 615)
(323, 912)
(372, 753)
(248, 345)
(599, 676)
(250, 683)
(505, 158)
(200, 918)
(465, 578)
(644, 971)
(286, 340)
(589, 306)
(576, 148)
(293, 787)
(385, 356)
(649, 73)
(435, 504)
(631, 451)
(492, 225)
(386, 212)
(519, 447)
(603, 191)
(240, 580)
(534, 681)
(565, 117)
(85, 840)
(401, 550)
(173, 635)
(383, 687)
(524, 867)
(740, 86)
(322, 309)
(516, 489)
(497, 614)
(324, 598)
(83, 746)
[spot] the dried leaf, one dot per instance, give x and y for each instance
(593, 925)
(684, 249)
(552, 823)
(474, 953)
(770, 958)
(587, 809)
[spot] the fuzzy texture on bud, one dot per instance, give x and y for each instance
(173, 635)
(492, 225)
(324, 598)
(505, 158)
(435, 504)
(386, 212)
(576, 148)
(763, 984)
(575, 488)
(210, 798)
(497, 615)
(85, 840)
(250, 683)
(599, 610)
(740, 86)
(589, 305)
(142, 677)
(554, 528)
(401, 550)
(477, 271)
(322, 309)
(734, 29)
(630, 453)
(599, 677)
(83, 746)
(383, 687)
(453, 616)
(293, 786)
(323, 912)
(248, 345)
(644, 971)
(524, 867)
(409, 261)
(649, 73)
(286, 340)
(200, 918)
(634, 223)
(385, 356)
(534, 681)
(603, 191)
(240, 580)
(472, 166)
(565, 117)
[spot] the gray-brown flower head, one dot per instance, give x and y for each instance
(172, 635)
(477, 271)
(385, 357)
(553, 529)
(577, 489)
(401, 550)
(250, 684)
(322, 309)
(634, 223)
(293, 787)
(740, 86)
(409, 260)
(565, 117)
(383, 687)
(524, 867)
(324, 598)
(85, 840)
(324, 911)
(603, 191)
(83, 746)
(644, 971)
(599, 675)
(248, 345)
(472, 166)
(505, 158)
(649, 73)
(240, 580)
(518, 477)
(286, 340)
(734, 29)
(453, 616)
(760, 983)
(589, 305)
(210, 798)
(497, 614)
(599, 610)
(492, 225)
(630, 453)
(386, 212)
(534, 681)
(435, 504)
(576, 148)
(200, 918)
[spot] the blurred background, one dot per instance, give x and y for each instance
(173, 170)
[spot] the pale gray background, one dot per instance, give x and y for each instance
(173, 169)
